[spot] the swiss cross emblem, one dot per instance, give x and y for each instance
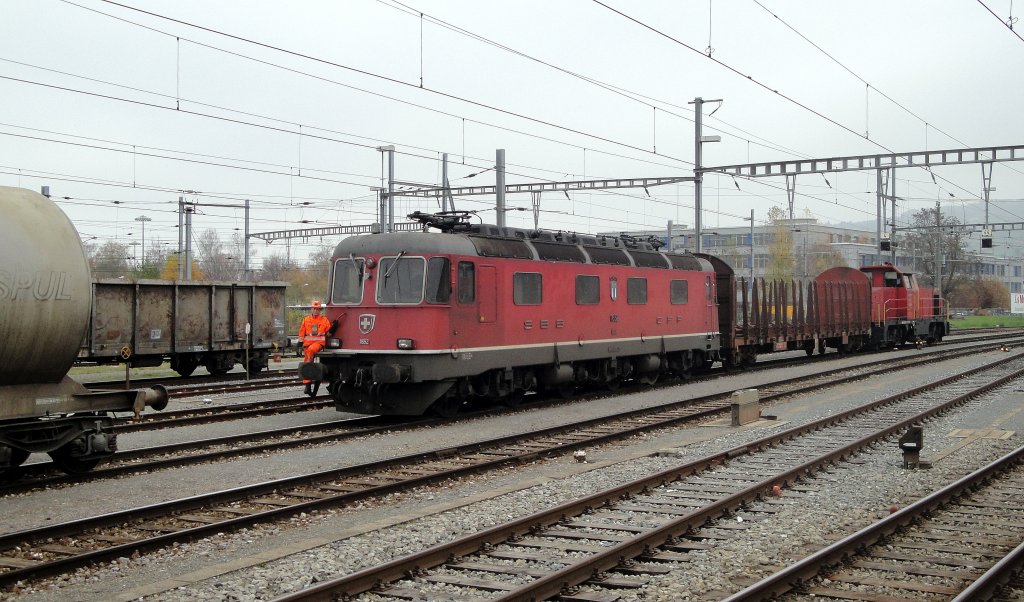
(366, 322)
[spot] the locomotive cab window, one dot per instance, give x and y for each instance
(439, 280)
(347, 282)
(892, 279)
(636, 291)
(467, 282)
(400, 280)
(588, 290)
(679, 292)
(527, 288)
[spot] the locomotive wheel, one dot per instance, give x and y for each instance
(513, 399)
(614, 384)
(446, 407)
(70, 464)
(649, 378)
(566, 390)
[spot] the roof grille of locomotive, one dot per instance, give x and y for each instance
(497, 241)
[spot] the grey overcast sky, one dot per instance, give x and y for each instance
(121, 105)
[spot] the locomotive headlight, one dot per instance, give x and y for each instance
(334, 343)
(406, 344)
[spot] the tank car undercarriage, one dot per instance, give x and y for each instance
(71, 424)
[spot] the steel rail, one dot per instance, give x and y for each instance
(575, 574)
(171, 508)
(807, 568)
(42, 468)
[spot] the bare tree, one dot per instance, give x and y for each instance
(321, 256)
(217, 263)
(275, 267)
(942, 235)
(110, 260)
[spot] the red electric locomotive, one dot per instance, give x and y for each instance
(428, 321)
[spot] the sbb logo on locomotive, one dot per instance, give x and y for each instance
(40, 286)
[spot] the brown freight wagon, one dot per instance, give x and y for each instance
(146, 322)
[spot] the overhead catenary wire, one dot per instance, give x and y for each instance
(371, 74)
(530, 176)
(757, 82)
(1008, 23)
(639, 97)
(868, 85)
(373, 142)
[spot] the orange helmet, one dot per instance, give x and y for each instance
(316, 304)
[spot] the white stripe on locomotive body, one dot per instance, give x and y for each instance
(348, 352)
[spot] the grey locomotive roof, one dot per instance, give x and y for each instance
(410, 242)
(433, 243)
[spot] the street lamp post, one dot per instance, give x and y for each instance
(143, 219)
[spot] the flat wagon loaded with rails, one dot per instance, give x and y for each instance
(192, 324)
(44, 312)
(428, 321)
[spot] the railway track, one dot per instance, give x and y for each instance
(219, 413)
(222, 412)
(173, 382)
(36, 475)
(619, 537)
(59, 548)
(962, 542)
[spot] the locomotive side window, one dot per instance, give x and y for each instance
(636, 291)
(526, 288)
(439, 280)
(400, 279)
(679, 292)
(467, 282)
(347, 284)
(588, 290)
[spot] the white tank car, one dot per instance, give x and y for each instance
(45, 297)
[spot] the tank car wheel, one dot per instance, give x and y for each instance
(18, 457)
(72, 465)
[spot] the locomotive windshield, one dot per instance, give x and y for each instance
(347, 285)
(400, 279)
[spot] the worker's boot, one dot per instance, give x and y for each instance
(309, 389)
(316, 387)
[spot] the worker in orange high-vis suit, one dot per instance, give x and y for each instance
(313, 334)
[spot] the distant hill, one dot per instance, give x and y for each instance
(966, 213)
